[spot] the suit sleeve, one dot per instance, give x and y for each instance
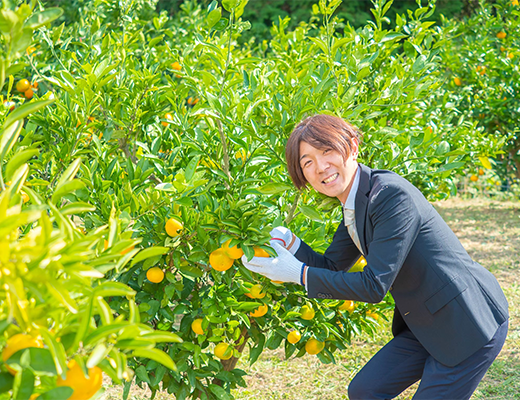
(340, 255)
(396, 224)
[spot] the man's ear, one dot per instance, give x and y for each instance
(354, 148)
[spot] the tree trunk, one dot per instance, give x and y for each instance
(230, 364)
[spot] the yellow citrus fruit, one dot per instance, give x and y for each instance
(347, 305)
(105, 244)
(481, 172)
(84, 388)
(223, 351)
(232, 252)
(473, 178)
(259, 252)
(219, 260)
(359, 265)
(25, 197)
(155, 275)
(196, 326)
(256, 292)
(294, 337)
(22, 85)
(502, 48)
(176, 66)
(510, 56)
(372, 315)
(314, 346)
(259, 312)
(501, 35)
(457, 81)
(173, 227)
(28, 93)
(18, 342)
(30, 50)
(167, 117)
(307, 312)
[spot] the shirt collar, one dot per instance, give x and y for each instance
(350, 204)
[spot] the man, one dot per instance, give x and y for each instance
(451, 316)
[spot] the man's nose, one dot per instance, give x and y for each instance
(321, 165)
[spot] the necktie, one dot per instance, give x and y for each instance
(350, 223)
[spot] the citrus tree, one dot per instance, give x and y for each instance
(59, 333)
(181, 131)
(482, 59)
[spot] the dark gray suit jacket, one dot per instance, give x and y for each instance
(451, 304)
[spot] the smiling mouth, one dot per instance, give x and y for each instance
(330, 178)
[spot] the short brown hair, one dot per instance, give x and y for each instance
(321, 131)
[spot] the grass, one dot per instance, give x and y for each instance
(490, 231)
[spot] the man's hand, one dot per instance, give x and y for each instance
(284, 236)
(284, 268)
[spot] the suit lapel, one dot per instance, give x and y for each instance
(362, 203)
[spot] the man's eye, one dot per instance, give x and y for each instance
(306, 164)
(326, 151)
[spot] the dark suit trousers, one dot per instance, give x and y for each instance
(404, 361)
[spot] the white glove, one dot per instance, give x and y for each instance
(284, 268)
(284, 236)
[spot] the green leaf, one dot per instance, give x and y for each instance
(113, 289)
(219, 392)
(190, 169)
(442, 148)
(105, 331)
(229, 4)
(62, 295)
(23, 385)
(57, 351)
(77, 207)
(18, 178)
(98, 354)
(69, 173)
(213, 17)
(156, 355)
(6, 382)
(162, 337)
(40, 360)
(10, 223)
(66, 188)
(62, 393)
(311, 212)
(26, 109)
(8, 19)
(40, 19)
(450, 166)
(149, 252)
(274, 188)
(9, 137)
(17, 160)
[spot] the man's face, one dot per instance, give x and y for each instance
(327, 171)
